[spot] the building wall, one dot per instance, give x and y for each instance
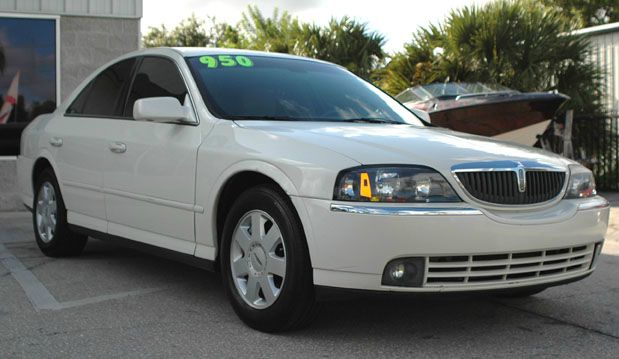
(605, 53)
(9, 198)
(86, 43)
(115, 8)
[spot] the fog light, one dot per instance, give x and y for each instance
(404, 272)
(397, 271)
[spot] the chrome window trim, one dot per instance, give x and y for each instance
(497, 166)
(404, 211)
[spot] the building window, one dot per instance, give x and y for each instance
(28, 74)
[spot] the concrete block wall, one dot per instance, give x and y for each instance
(86, 43)
(9, 200)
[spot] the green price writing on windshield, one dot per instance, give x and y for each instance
(213, 62)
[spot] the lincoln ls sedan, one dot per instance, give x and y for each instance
(296, 179)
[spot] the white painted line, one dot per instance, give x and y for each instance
(42, 299)
(36, 292)
(103, 298)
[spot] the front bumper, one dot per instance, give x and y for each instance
(350, 244)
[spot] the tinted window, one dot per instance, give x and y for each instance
(253, 87)
(156, 77)
(105, 95)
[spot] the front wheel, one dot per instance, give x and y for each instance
(265, 262)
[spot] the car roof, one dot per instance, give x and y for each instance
(201, 51)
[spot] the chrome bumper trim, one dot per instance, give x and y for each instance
(593, 203)
(405, 211)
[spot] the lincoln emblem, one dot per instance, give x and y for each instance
(522, 178)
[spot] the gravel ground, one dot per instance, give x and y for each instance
(115, 302)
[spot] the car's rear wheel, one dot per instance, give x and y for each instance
(265, 262)
(49, 217)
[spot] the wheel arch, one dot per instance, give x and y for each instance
(240, 177)
(43, 160)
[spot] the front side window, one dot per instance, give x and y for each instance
(156, 77)
(105, 95)
(262, 87)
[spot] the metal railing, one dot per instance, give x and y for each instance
(595, 143)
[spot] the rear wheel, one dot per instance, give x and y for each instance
(49, 218)
(265, 262)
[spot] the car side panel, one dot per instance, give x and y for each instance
(79, 160)
(150, 188)
(229, 149)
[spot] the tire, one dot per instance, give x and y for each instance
(521, 293)
(280, 302)
(49, 219)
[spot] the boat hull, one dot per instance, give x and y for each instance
(498, 115)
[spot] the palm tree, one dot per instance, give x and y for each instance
(345, 42)
(278, 33)
(348, 43)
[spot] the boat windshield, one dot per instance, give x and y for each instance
(450, 90)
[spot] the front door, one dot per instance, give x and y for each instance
(150, 167)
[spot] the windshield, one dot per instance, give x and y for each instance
(450, 90)
(262, 87)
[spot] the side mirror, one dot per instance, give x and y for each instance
(422, 115)
(161, 109)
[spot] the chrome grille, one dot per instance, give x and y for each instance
(480, 269)
(502, 187)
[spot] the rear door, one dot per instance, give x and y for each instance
(79, 141)
(150, 167)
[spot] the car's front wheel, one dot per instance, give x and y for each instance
(49, 217)
(265, 262)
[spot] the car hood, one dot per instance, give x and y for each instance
(405, 144)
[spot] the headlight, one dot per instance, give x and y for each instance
(401, 184)
(581, 184)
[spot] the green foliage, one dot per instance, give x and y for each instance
(193, 32)
(587, 12)
(278, 33)
(519, 44)
(345, 41)
(348, 43)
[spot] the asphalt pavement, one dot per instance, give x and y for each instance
(116, 302)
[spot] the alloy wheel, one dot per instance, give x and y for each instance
(46, 212)
(258, 259)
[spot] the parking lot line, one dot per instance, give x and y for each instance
(42, 299)
(106, 297)
(36, 292)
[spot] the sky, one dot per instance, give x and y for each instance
(397, 20)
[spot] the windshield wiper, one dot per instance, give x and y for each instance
(371, 120)
(262, 118)
(317, 119)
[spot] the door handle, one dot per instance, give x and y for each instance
(118, 147)
(55, 141)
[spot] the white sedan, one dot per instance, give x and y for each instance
(293, 177)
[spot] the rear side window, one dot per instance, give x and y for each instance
(156, 77)
(105, 95)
